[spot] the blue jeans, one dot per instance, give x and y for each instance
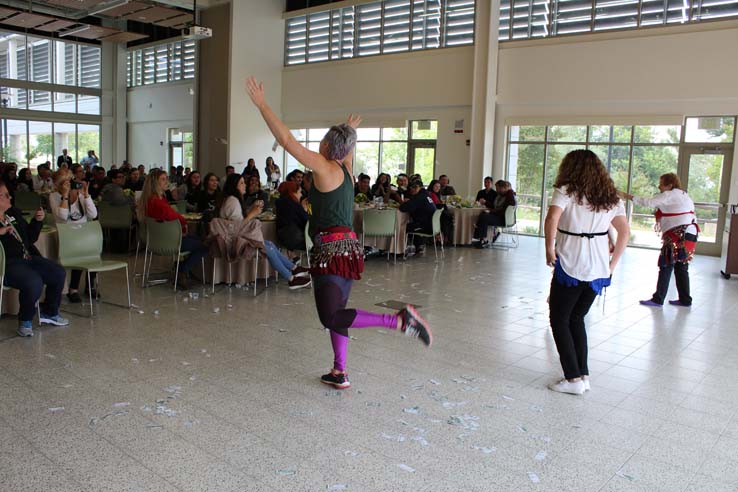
(278, 261)
(29, 277)
(197, 250)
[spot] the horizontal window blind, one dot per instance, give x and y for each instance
(375, 28)
(166, 62)
(526, 19)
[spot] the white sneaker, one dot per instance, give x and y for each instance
(587, 386)
(564, 386)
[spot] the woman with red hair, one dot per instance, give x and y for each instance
(291, 216)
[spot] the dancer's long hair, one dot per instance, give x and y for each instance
(584, 176)
(150, 188)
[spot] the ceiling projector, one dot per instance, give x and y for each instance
(197, 32)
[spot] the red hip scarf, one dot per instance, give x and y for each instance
(336, 251)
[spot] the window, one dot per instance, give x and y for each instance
(378, 150)
(380, 27)
(635, 156)
(166, 62)
(524, 19)
(89, 66)
(30, 143)
(180, 148)
(30, 61)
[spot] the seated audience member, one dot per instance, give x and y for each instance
(363, 186)
(9, 176)
(446, 189)
(401, 189)
(250, 170)
(73, 206)
(487, 194)
(179, 177)
(153, 204)
(24, 182)
(126, 167)
(112, 192)
(228, 171)
(78, 176)
(307, 185)
(210, 195)
(25, 268)
(141, 172)
(134, 182)
(421, 210)
(99, 180)
(273, 174)
(191, 190)
(291, 216)
(495, 214)
(382, 186)
(295, 176)
(232, 209)
(42, 181)
(434, 192)
(254, 192)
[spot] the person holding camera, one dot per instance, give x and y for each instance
(73, 204)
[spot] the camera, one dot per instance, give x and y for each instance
(76, 185)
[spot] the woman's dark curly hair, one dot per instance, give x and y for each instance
(584, 176)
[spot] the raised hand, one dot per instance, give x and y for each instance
(256, 91)
(354, 121)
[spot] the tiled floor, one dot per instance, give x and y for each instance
(194, 399)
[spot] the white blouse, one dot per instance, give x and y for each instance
(671, 202)
(231, 209)
(580, 257)
(82, 210)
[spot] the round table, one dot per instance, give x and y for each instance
(465, 219)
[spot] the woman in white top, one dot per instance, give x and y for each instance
(232, 209)
(585, 204)
(72, 206)
(675, 219)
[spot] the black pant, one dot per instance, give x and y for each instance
(681, 274)
(29, 277)
(485, 220)
(292, 237)
(331, 296)
(76, 275)
(567, 308)
(419, 241)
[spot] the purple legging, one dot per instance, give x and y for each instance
(331, 296)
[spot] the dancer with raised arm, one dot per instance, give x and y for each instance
(336, 258)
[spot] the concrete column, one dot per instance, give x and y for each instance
(484, 93)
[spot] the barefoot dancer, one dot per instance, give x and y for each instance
(337, 259)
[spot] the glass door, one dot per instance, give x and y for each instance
(422, 160)
(705, 172)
